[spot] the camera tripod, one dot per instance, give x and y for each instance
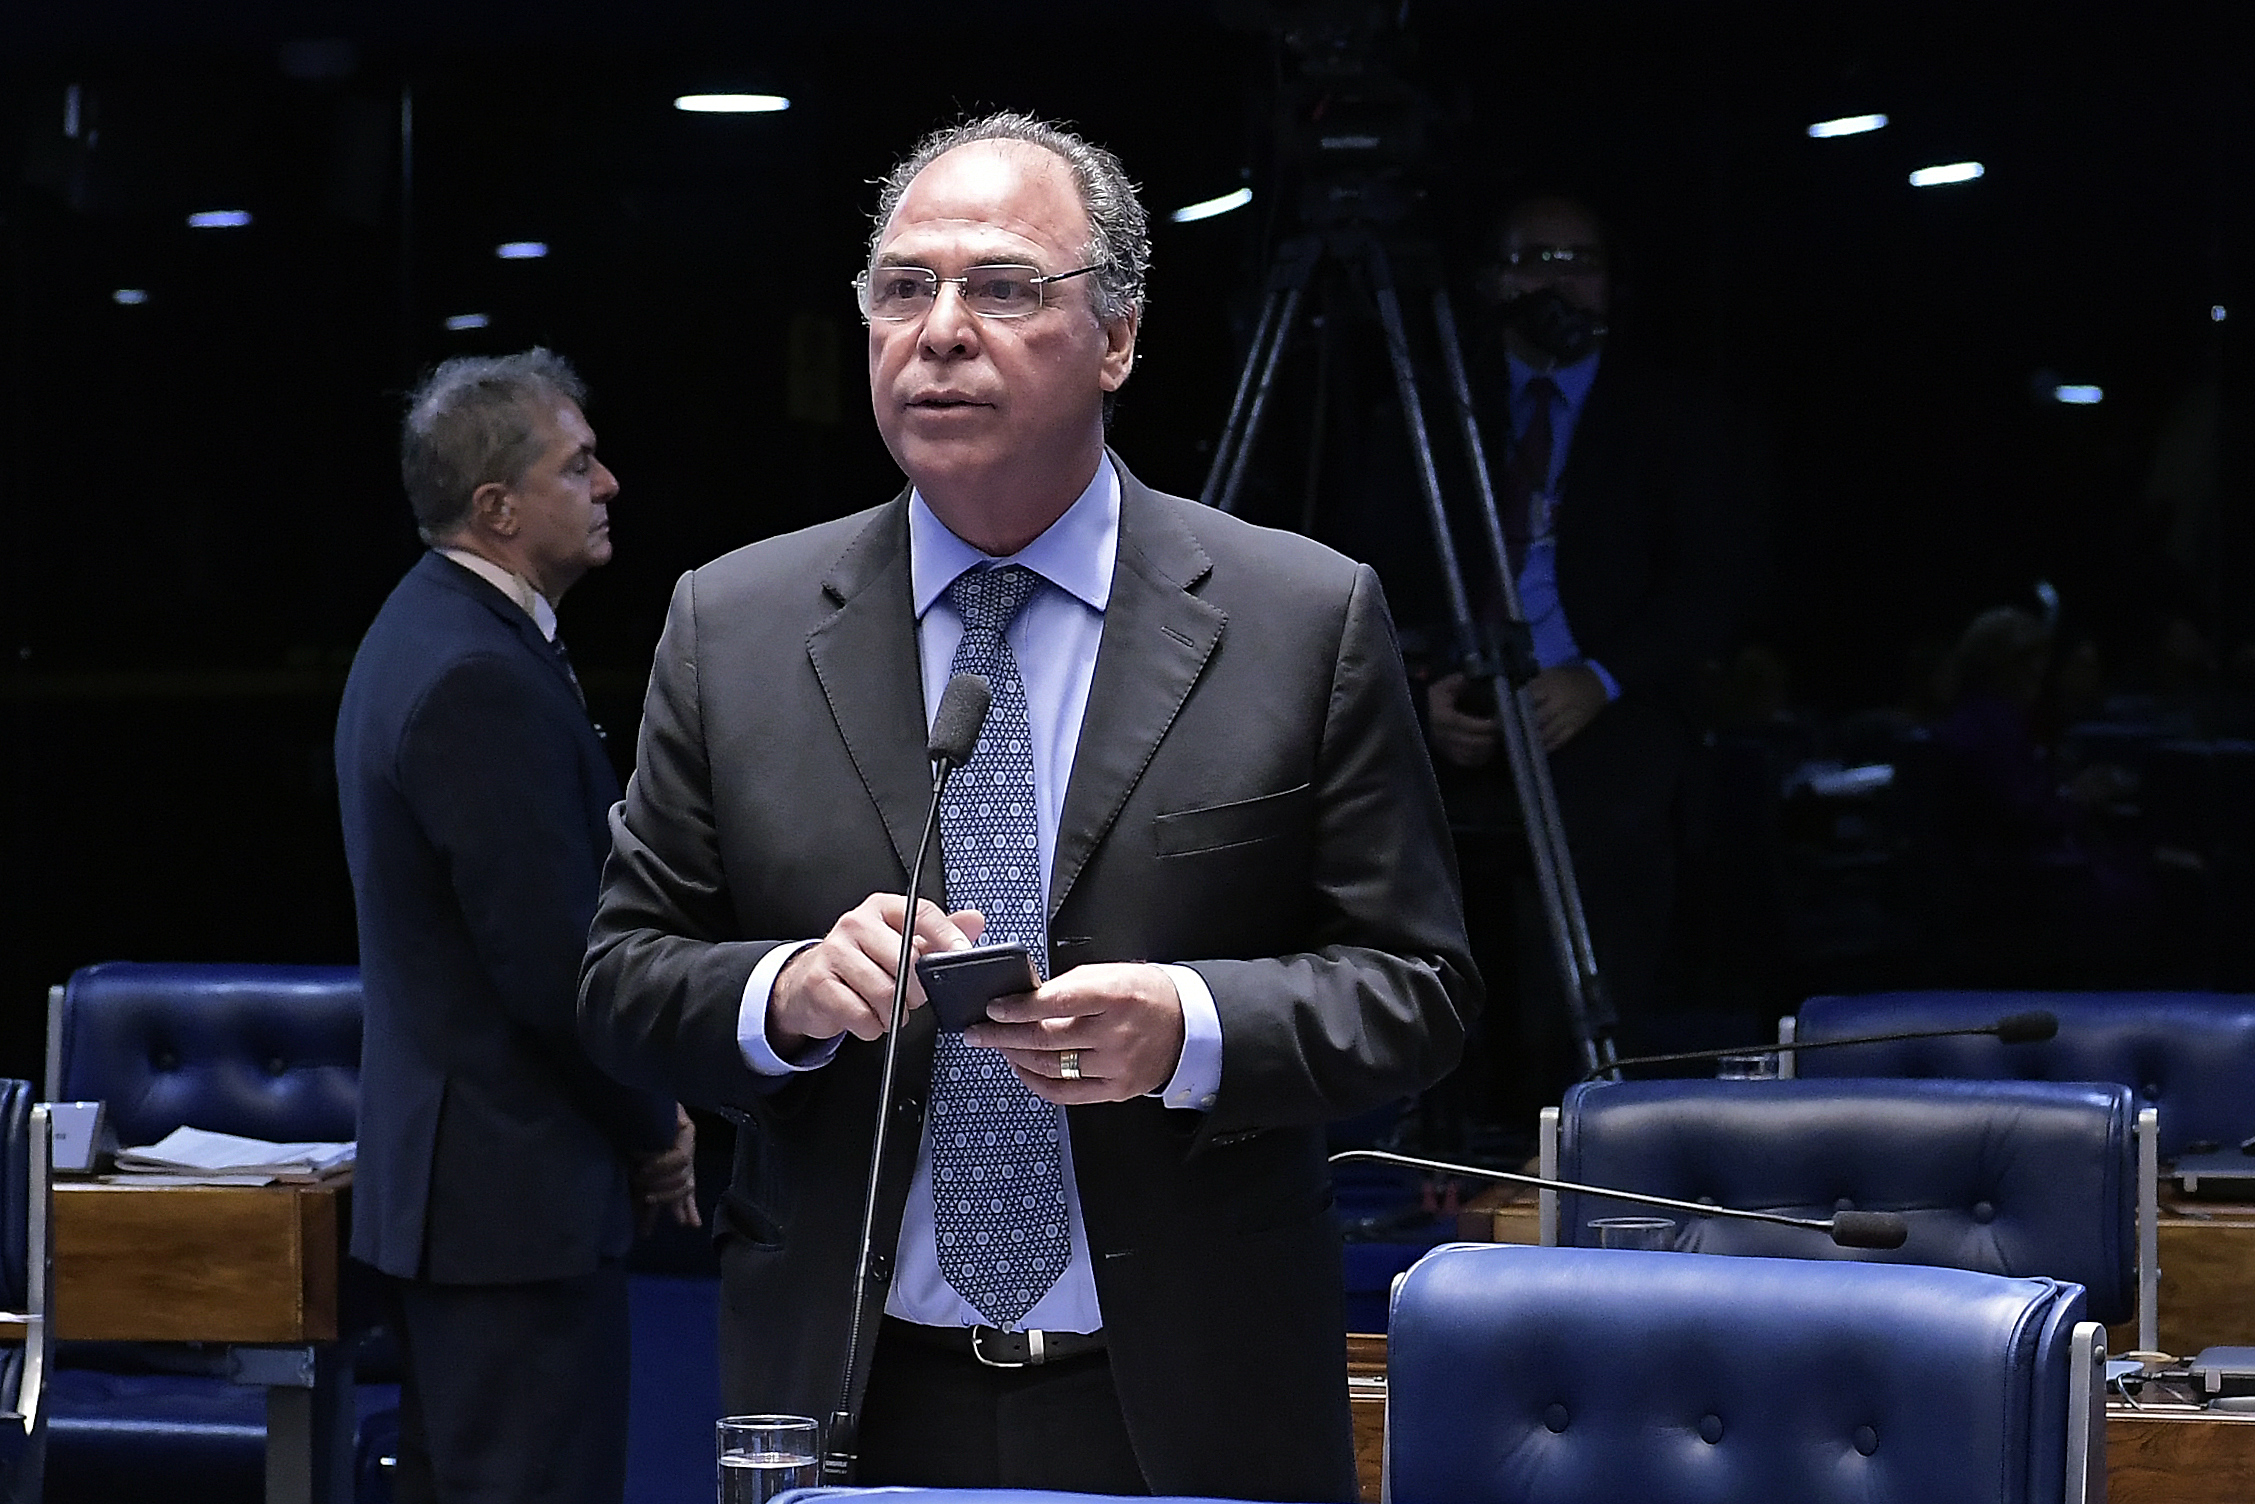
(1502, 659)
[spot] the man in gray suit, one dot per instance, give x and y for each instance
(1108, 1260)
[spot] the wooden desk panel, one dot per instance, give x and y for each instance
(143, 1263)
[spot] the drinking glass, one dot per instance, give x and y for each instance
(1658, 1233)
(763, 1455)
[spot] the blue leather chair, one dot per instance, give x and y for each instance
(268, 1051)
(2004, 1177)
(25, 1241)
(1526, 1375)
(2191, 1055)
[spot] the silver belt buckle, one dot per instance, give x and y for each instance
(1034, 1355)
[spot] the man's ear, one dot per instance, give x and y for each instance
(493, 511)
(1119, 350)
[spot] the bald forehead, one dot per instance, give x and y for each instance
(1015, 186)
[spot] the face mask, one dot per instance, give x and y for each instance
(1544, 319)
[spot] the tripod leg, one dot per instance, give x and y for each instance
(1512, 711)
(1546, 832)
(1287, 310)
(1233, 433)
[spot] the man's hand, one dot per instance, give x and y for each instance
(1124, 1018)
(1467, 740)
(1566, 699)
(844, 983)
(665, 1182)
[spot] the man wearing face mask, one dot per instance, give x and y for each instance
(1632, 536)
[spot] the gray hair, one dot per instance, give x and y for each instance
(1119, 234)
(473, 421)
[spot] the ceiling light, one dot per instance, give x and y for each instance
(521, 250)
(461, 321)
(1208, 208)
(1847, 125)
(732, 104)
(2078, 395)
(219, 219)
(130, 297)
(1948, 172)
(2216, 313)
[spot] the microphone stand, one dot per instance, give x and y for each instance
(2019, 1028)
(840, 1446)
(1850, 1229)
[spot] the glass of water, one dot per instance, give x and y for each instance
(763, 1455)
(1657, 1233)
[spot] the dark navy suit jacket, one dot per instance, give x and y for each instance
(475, 796)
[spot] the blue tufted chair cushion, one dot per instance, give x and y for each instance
(268, 1051)
(1522, 1375)
(2189, 1054)
(2007, 1177)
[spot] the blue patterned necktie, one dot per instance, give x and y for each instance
(998, 1193)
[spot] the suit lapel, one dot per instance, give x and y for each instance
(864, 655)
(1157, 638)
(445, 572)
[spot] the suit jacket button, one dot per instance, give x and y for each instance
(880, 1267)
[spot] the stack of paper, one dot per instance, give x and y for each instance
(200, 1153)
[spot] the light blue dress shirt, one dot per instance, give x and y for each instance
(1054, 639)
(1538, 572)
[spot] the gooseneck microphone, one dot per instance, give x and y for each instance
(2032, 1027)
(1849, 1229)
(955, 734)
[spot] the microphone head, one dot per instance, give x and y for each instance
(956, 725)
(1869, 1229)
(2033, 1027)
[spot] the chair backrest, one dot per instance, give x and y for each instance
(267, 1051)
(1525, 1375)
(2189, 1054)
(26, 1244)
(2005, 1177)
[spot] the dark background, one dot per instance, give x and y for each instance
(198, 499)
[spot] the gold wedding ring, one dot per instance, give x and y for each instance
(1069, 1065)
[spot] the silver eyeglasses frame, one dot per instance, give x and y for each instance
(1034, 277)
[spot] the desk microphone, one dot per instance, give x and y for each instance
(2033, 1027)
(1846, 1229)
(955, 735)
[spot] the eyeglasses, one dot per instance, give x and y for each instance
(1564, 260)
(896, 294)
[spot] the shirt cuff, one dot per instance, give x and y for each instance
(1197, 1076)
(1612, 685)
(751, 1019)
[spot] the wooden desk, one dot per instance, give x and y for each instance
(158, 1263)
(2152, 1457)
(251, 1268)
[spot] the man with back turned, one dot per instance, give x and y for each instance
(499, 1170)
(1200, 796)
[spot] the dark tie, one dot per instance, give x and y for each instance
(998, 1192)
(556, 646)
(1526, 476)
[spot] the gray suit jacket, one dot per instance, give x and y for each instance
(1250, 795)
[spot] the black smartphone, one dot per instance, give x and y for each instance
(960, 983)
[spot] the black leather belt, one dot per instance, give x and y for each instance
(997, 1348)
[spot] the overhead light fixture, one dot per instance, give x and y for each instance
(1847, 125)
(2078, 395)
(1208, 208)
(732, 104)
(219, 219)
(1948, 172)
(130, 297)
(461, 321)
(2216, 313)
(521, 250)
